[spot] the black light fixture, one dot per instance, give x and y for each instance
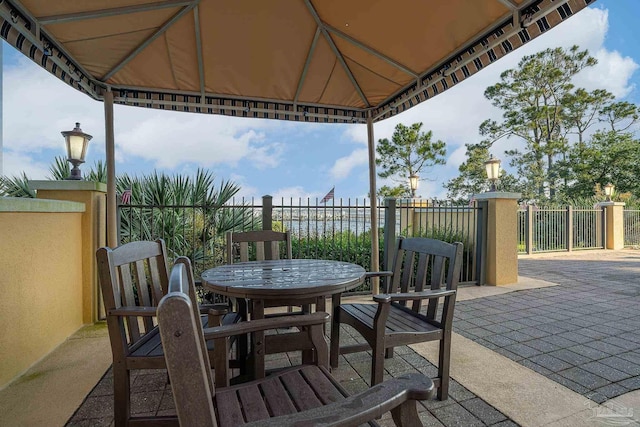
(77, 142)
(413, 184)
(493, 171)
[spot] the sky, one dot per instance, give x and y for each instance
(286, 159)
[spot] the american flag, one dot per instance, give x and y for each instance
(329, 196)
(125, 198)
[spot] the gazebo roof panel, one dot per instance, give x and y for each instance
(255, 47)
(416, 34)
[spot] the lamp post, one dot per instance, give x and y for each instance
(608, 191)
(493, 171)
(77, 142)
(413, 184)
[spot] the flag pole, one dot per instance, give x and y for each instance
(375, 255)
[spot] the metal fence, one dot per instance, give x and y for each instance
(561, 229)
(631, 218)
(339, 229)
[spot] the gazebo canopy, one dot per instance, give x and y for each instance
(353, 61)
(307, 60)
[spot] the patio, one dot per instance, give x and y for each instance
(528, 354)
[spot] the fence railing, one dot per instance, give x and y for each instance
(561, 229)
(339, 230)
(631, 219)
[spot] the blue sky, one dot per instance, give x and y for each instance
(294, 159)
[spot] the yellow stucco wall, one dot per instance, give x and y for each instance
(93, 236)
(40, 281)
(501, 262)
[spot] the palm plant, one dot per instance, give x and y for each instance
(189, 213)
(16, 186)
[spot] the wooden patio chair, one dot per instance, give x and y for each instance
(134, 277)
(259, 245)
(407, 311)
(302, 395)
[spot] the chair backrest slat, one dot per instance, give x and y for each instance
(258, 246)
(421, 263)
(185, 351)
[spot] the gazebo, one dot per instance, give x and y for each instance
(321, 61)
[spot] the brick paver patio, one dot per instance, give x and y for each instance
(583, 334)
(152, 394)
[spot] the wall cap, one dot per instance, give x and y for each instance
(68, 185)
(497, 195)
(24, 204)
(611, 204)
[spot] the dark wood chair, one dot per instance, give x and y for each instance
(302, 395)
(134, 277)
(259, 245)
(407, 311)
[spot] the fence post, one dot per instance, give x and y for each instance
(613, 227)
(569, 228)
(501, 262)
(481, 240)
(529, 229)
(267, 212)
(389, 233)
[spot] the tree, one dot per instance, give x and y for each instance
(608, 156)
(409, 152)
(473, 177)
(554, 124)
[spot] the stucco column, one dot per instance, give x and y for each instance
(501, 263)
(92, 194)
(614, 224)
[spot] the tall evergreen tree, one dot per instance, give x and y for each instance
(555, 126)
(409, 152)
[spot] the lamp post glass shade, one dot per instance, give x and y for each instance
(493, 170)
(413, 184)
(77, 142)
(608, 191)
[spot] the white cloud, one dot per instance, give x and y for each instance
(15, 163)
(294, 192)
(344, 165)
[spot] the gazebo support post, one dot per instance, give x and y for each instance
(375, 255)
(112, 231)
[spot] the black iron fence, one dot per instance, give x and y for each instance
(631, 227)
(560, 229)
(338, 230)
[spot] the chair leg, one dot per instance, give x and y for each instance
(377, 365)
(406, 415)
(335, 341)
(388, 353)
(443, 366)
(121, 396)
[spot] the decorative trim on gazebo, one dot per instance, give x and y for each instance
(528, 22)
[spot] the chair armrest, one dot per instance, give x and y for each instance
(242, 328)
(362, 407)
(370, 274)
(437, 293)
(133, 311)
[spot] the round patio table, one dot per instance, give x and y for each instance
(283, 279)
(281, 283)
